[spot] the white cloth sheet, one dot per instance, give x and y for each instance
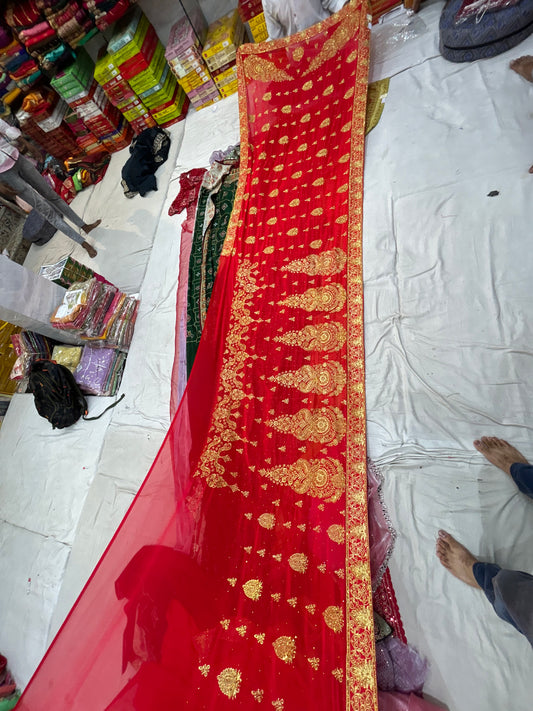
(448, 356)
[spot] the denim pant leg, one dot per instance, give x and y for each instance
(510, 592)
(32, 197)
(523, 477)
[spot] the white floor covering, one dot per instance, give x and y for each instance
(449, 345)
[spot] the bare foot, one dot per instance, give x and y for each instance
(499, 452)
(91, 251)
(88, 228)
(523, 66)
(456, 558)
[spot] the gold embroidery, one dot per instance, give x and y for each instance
(278, 704)
(276, 597)
(317, 211)
(295, 202)
(262, 70)
(225, 624)
(332, 261)
(315, 244)
(334, 618)
(331, 297)
(265, 127)
(223, 430)
(345, 158)
(342, 219)
(318, 181)
(325, 425)
(283, 140)
(322, 337)
(285, 648)
(327, 378)
(322, 153)
(336, 533)
(297, 175)
(278, 168)
(267, 520)
(269, 249)
(308, 85)
(298, 562)
(305, 118)
(268, 96)
(274, 193)
(302, 147)
(272, 221)
(322, 566)
(229, 682)
(345, 31)
(349, 93)
(298, 53)
(343, 188)
(204, 669)
(260, 637)
(253, 589)
(338, 674)
(346, 127)
(311, 609)
(314, 662)
(277, 557)
(232, 582)
(292, 232)
(325, 122)
(320, 478)
(340, 573)
(328, 90)
(241, 630)
(258, 695)
(286, 109)
(293, 601)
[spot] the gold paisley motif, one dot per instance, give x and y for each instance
(327, 378)
(330, 298)
(229, 682)
(318, 181)
(326, 425)
(283, 140)
(328, 90)
(320, 337)
(253, 588)
(267, 520)
(341, 220)
(325, 123)
(268, 96)
(272, 221)
(305, 118)
(319, 478)
(292, 232)
(285, 648)
(301, 148)
(263, 70)
(273, 193)
(315, 244)
(349, 93)
(308, 85)
(334, 618)
(317, 211)
(336, 533)
(296, 175)
(345, 31)
(295, 202)
(269, 249)
(329, 262)
(322, 153)
(298, 562)
(345, 158)
(278, 168)
(286, 109)
(298, 53)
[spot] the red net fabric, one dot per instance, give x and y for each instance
(240, 575)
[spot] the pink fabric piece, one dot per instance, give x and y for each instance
(187, 198)
(381, 533)
(399, 667)
(388, 701)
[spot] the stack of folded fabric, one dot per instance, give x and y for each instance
(106, 12)
(184, 56)
(30, 26)
(70, 20)
(100, 371)
(137, 52)
(29, 346)
(220, 51)
(69, 356)
(99, 312)
(121, 95)
(251, 12)
(67, 271)
(40, 103)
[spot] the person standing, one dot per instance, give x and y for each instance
(18, 173)
(286, 17)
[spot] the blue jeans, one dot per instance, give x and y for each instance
(510, 592)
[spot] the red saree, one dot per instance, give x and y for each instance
(240, 577)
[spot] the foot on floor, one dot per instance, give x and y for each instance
(456, 558)
(499, 452)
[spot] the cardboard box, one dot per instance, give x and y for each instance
(221, 34)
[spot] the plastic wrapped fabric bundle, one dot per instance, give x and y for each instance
(73, 304)
(93, 370)
(69, 356)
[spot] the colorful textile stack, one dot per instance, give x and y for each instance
(20, 67)
(106, 12)
(97, 311)
(140, 57)
(121, 95)
(184, 56)
(66, 272)
(29, 346)
(220, 51)
(107, 128)
(70, 20)
(100, 371)
(251, 11)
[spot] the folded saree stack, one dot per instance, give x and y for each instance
(240, 577)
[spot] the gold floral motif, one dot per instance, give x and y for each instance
(327, 378)
(331, 298)
(204, 669)
(347, 29)
(267, 520)
(311, 609)
(347, 127)
(263, 70)
(260, 637)
(229, 682)
(272, 220)
(326, 425)
(329, 262)
(298, 53)
(319, 478)
(232, 582)
(285, 648)
(298, 562)
(242, 630)
(293, 601)
(223, 431)
(278, 705)
(258, 695)
(338, 674)
(314, 662)
(225, 624)
(336, 533)
(276, 597)
(320, 337)
(253, 588)
(278, 168)
(334, 618)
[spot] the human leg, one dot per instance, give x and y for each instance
(507, 458)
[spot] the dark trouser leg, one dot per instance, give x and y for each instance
(510, 592)
(44, 207)
(523, 477)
